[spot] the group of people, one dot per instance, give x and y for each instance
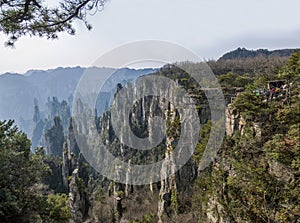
(269, 93)
(273, 91)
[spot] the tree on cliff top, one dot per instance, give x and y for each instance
(36, 18)
(23, 196)
(20, 175)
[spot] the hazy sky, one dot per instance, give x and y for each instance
(207, 27)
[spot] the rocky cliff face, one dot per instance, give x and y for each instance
(167, 198)
(78, 198)
(75, 180)
(235, 123)
(163, 194)
(169, 188)
(168, 194)
(54, 138)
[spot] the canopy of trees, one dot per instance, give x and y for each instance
(23, 196)
(37, 18)
(256, 179)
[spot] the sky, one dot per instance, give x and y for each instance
(209, 28)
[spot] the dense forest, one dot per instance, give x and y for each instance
(255, 176)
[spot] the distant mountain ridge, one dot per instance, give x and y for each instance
(18, 91)
(243, 53)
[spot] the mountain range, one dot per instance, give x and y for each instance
(243, 53)
(19, 91)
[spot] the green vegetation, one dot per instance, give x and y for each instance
(23, 197)
(204, 136)
(147, 218)
(234, 80)
(58, 207)
(35, 18)
(256, 179)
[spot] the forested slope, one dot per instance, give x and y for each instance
(254, 178)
